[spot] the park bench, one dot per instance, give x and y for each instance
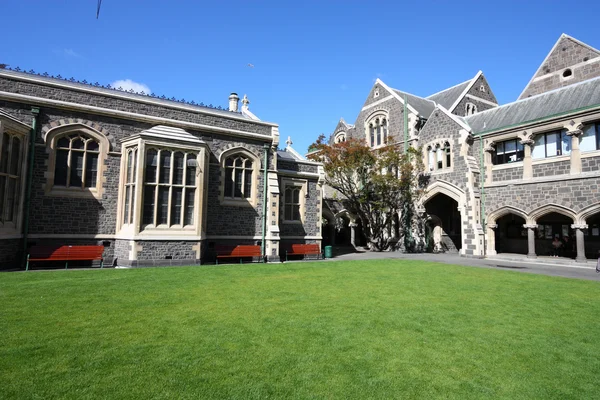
(65, 253)
(240, 251)
(303, 250)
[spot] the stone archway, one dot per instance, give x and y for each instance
(506, 231)
(446, 223)
(587, 228)
(554, 221)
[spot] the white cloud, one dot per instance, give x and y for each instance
(71, 53)
(128, 84)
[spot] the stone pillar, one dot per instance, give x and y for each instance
(352, 226)
(574, 133)
(527, 167)
(487, 165)
(530, 240)
(491, 239)
(580, 241)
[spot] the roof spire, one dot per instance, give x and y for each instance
(288, 142)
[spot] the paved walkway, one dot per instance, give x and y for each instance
(512, 262)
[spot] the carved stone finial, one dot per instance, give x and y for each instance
(288, 142)
(245, 101)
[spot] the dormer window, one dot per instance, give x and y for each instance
(470, 109)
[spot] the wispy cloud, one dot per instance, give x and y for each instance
(128, 84)
(71, 53)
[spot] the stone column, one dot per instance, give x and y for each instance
(352, 226)
(487, 165)
(491, 239)
(574, 133)
(530, 240)
(527, 167)
(580, 241)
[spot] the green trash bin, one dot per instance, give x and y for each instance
(328, 252)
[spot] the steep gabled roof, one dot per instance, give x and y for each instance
(556, 102)
(423, 106)
(539, 71)
(449, 98)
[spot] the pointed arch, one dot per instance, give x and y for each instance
(240, 171)
(443, 187)
(502, 211)
(587, 212)
(547, 209)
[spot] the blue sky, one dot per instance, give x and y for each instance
(314, 61)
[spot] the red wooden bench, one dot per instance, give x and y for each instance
(303, 250)
(65, 253)
(240, 251)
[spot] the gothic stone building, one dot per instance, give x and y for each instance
(503, 179)
(156, 181)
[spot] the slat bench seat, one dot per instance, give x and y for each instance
(65, 253)
(240, 251)
(299, 249)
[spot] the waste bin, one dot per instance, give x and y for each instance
(328, 251)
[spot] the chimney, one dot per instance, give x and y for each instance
(233, 102)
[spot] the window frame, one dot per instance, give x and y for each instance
(52, 138)
(255, 173)
(377, 129)
(519, 149)
(595, 127)
(294, 184)
(136, 228)
(14, 130)
(562, 133)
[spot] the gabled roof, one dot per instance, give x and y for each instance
(449, 98)
(564, 100)
(423, 106)
(563, 36)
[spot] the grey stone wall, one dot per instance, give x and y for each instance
(550, 169)
(121, 251)
(574, 194)
(507, 174)
(155, 252)
(461, 107)
(395, 112)
(130, 105)
(566, 54)
(487, 94)
(299, 167)
(589, 164)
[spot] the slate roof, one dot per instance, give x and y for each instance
(558, 101)
(286, 155)
(446, 98)
(423, 106)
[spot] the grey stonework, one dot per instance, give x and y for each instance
(294, 166)
(507, 174)
(487, 94)
(574, 194)
(121, 251)
(462, 110)
(311, 220)
(589, 164)
(550, 169)
(567, 53)
(159, 250)
(105, 101)
(395, 111)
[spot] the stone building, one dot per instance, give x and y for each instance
(503, 179)
(156, 181)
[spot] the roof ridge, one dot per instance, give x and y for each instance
(569, 87)
(451, 87)
(412, 94)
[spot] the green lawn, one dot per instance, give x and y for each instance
(369, 329)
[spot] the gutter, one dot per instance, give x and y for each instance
(28, 183)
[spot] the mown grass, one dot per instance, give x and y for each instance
(368, 329)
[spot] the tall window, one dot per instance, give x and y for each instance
(292, 203)
(431, 158)
(448, 155)
(169, 188)
(238, 177)
(76, 161)
(590, 139)
(131, 171)
(10, 177)
(470, 109)
(439, 156)
(508, 151)
(377, 131)
(551, 144)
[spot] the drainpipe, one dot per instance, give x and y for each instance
(264, 221)
(28, 183)
(482, 190)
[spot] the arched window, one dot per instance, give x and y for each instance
(431, 158)
(448, 154)
(169, 188)
(76, 160)
(470, 109)
(292, 203)
(239, 176)
(377, 130)
(340, 137)
(439, 157)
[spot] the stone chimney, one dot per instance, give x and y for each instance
(233, 102)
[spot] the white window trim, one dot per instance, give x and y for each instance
(135, 230)
(51, 138)
(303, 185)
(256, 166)
(10, 229)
